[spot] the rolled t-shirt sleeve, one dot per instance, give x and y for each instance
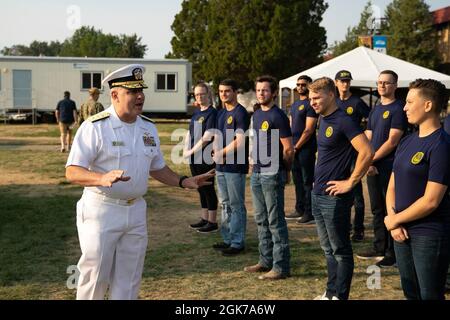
(284, 127)
(439, 170)
(399, 120)
(350, 128)
(85, 146)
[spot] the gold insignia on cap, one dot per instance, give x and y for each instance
(137, 73)
(417, 158)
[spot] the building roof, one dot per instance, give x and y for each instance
(441, 15)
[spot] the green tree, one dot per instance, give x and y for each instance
(85, 42)
(411, 36)
(242, 39)
(351, 38)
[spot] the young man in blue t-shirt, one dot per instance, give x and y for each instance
(418, 202)
(231, 157)
(385, 127)
(332, 197)
(66, 116)
(357, 110)
(271, 157)
(303, 122)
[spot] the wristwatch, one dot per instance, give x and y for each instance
(180, 182)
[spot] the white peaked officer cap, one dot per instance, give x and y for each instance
(130, 77)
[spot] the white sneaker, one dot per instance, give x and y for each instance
(322, 297)
(334, 298)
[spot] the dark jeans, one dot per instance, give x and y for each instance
(377, 185)
(423, 263)
(358, 203)
(268, 195)
(303, 176)
(208, 196)
(332, 215)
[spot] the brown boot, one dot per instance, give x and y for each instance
(256, 268)
(273, 275)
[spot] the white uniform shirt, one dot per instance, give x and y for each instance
(106, 145)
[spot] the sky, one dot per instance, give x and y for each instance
(48, 20)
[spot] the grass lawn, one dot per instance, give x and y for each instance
(38, 237)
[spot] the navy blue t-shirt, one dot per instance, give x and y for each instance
(382, 119)
(447, 124)
(300, 110)
(417, 161)
(335, 150)
(66, 108)
(237, 119)
(354, 107)
(264, 124)
(200, 122)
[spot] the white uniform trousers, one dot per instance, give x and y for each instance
(113, 241)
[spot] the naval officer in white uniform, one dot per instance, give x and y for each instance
(112, 156)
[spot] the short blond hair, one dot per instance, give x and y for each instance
(324, 83)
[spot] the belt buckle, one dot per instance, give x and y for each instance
(130, 201)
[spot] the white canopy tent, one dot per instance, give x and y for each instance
(365, 65)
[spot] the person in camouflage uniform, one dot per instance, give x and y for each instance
(90, 107)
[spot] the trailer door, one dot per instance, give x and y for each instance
(22, 88)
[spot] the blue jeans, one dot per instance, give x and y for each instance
(231, 187)
(423, 263)
(332, 215)
(303, 176)
(268, 202)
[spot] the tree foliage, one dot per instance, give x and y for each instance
(411, 36)
(85, 42)
(351, 38)
(242, 39)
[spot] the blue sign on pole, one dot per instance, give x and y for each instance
(379, 43)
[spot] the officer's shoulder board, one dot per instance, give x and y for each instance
(99, 116)
(146, 119)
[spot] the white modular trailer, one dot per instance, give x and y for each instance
(39, 82)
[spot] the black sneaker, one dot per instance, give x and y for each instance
(220, 246)
(358, 236)
(208, 228)
(294, 215)
(371, 254)
(231, 251)
(199, 224)
(386, 262)
(306, 219)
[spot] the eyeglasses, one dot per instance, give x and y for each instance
(302, 84)
(383, 83)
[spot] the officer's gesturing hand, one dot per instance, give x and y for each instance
(199, 180)
(111, 177)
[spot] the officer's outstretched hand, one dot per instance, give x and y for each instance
(111, 177)
(200, 180)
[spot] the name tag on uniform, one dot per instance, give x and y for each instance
(149, 141)
(118, 143)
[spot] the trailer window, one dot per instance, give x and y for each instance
(166, 82)
(91, 80)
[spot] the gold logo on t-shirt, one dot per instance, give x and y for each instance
(329, 132)
(386, 115)
(201, 119)
(349, 110)
(265, 126)
(230, 120)
(301, 107)
(417, 158)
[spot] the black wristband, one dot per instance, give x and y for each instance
(180, 182)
